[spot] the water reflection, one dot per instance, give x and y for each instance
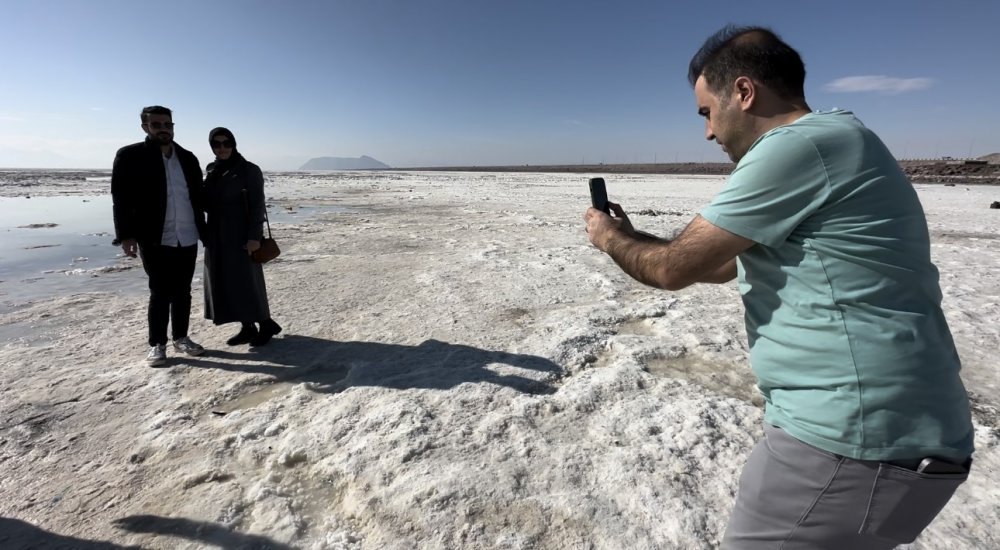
(53, 245)
(58, 245)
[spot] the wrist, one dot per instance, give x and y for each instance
(612, 238)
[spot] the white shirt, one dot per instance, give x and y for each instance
(179, 228)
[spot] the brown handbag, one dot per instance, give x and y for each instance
(268, 246)
(268, 250)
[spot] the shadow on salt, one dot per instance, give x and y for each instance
(330, 366)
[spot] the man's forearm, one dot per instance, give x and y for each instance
(640, 255)
(701, 253)
(648, 237)
(649, 259)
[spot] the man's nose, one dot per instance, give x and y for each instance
(709, 134)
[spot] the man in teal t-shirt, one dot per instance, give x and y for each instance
(867, 422)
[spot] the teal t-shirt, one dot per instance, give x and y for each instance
(843, 308)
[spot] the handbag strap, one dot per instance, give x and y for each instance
(268, 222)
(246, 206)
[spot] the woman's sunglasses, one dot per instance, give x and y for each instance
(216, 144)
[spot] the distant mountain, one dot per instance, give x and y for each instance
(992, 159)
(344, 163)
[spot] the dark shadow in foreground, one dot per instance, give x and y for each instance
(209, 533)
(331, 366)
(21, 535)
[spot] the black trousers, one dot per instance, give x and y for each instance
(170, 269)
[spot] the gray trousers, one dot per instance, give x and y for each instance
(795, 496)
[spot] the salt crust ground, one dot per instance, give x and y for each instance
(459, 369)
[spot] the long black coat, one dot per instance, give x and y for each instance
(234, 203)
(139, 191)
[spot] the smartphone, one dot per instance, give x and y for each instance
(599, 195)
(935, 466)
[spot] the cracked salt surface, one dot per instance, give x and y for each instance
(459, 369)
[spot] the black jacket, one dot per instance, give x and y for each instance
(139, 191)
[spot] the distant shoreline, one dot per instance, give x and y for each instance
(919, 171)
(679, 168)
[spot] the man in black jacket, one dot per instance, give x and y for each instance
(156, 187)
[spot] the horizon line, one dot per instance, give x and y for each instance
(466, 167)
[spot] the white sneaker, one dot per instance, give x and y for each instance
(157, 355)
(186, 345)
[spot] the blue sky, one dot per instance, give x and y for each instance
(449, 82)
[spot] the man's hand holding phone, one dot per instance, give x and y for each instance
(600, 223)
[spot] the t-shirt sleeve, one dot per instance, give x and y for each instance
(779, 183)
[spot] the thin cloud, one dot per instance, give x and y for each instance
(879, 84)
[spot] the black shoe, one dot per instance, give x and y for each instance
(245, 336)
(268, 329)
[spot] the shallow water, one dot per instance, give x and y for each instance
(56, 245)
(60, 245)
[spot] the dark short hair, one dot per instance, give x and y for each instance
(754, 52)
(154, 110)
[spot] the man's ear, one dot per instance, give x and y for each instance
(746, 91)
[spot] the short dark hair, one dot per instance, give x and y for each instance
(755, 52)
(154, 110)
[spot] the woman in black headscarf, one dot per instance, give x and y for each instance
(234, 204)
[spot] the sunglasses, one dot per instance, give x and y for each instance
(216, 144)
(161, 125)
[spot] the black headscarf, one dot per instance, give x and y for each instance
(234, 157)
